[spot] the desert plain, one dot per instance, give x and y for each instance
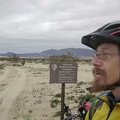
(26, 92)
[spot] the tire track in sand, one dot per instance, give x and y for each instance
(11, 92)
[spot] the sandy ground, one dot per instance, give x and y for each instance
(25, 91)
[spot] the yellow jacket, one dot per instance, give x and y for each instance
(108, 110)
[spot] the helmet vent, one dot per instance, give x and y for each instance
(111, 26)
(116, 33)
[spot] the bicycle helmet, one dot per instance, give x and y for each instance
(109, 33)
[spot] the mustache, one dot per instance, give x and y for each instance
(97, 70)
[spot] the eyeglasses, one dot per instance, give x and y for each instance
(103, 55)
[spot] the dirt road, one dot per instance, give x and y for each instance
(10, 89)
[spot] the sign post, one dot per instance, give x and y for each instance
(62, 100)
(63, 73)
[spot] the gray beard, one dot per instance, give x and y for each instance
(97, 87)
(98, 84)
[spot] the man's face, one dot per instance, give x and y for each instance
(106, 70)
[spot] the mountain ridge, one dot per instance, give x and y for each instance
(77, 52)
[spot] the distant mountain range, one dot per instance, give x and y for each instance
(77, 52)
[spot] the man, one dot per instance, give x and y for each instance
(106, 71)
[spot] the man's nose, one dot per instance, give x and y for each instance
(96, 61)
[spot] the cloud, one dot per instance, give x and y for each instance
(44, 24)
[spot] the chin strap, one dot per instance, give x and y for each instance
(117, 84)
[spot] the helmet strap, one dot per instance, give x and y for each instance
(117, 84)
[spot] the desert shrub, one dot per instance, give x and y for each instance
(16, 64)
(82, 97)
(27, 117)
(71, 97)
(14, 57)
(90, 96)
(81, 83)
(76, 100)
(58, 95)
(54, 102)
(57, 114)
(68, 57)
(23, 61)
(79, 91)
(2, 66)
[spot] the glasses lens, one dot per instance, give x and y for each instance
(94, 55)
(102, 55)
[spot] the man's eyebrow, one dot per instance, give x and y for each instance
(106, 49)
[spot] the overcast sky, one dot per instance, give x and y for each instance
(36, 25)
